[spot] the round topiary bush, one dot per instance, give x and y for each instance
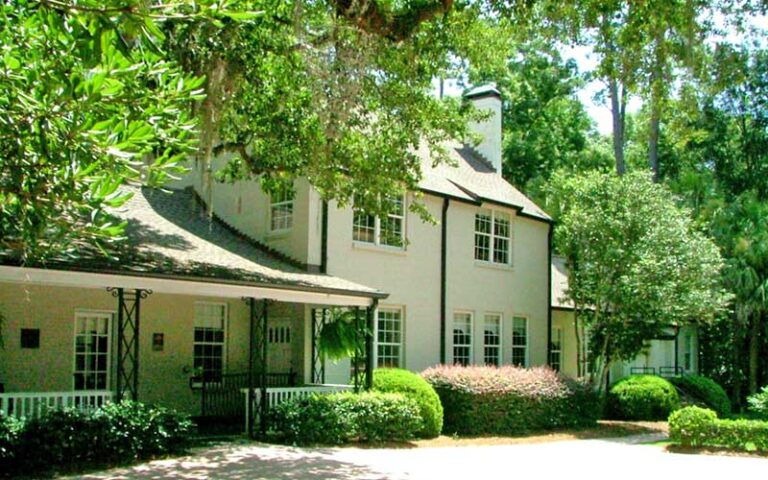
(412, 385)
(690, 426)
(642, 397)
(705, 390)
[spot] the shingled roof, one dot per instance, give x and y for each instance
(471, 178)
(169, 234)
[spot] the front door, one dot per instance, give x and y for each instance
(280, 346)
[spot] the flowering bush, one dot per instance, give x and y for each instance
(510, 400)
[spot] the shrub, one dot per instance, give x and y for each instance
(706, 390)
(343, 417)
(412, 385)
(9, 437)
(642, 397)
(758, 403)
(694, 426)
(114, 433)
(688, 425)
(510, 400)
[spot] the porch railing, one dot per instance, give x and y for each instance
(35, 404)
(276, 396)
(221, 397)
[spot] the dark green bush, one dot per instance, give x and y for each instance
(642, 397)
(412, 385)
(693, 426)
(758, 403)
(688, 425)
(340, 418)
(9, 437)
(705, 390)
(511, 400)
(112, 434)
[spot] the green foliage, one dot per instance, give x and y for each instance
(87, 103)
(9, 436)
(693, 426)
(705, 390)
(341, 336)
(511, 400)
(637, 264)
(340, 418)
(642, 397)
(687, 425)
(415, 387)
(112, 434)
(758, 403)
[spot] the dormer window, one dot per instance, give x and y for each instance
(492, 237)
(387, 231)
(281, 209)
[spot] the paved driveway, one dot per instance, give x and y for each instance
(577, 459)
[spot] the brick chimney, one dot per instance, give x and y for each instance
(487, 98)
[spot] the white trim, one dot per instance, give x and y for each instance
(377, 243)
(64, 278)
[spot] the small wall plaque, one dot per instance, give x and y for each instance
(158, 342)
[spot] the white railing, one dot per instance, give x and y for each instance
(35, 404)
(278, 395)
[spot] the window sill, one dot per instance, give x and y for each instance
(372, 247)
(278, 234)
(495, 266)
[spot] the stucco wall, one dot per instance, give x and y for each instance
(164, 375)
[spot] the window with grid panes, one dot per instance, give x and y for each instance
(388, 231)
(556, 349)
(210, 321)
(281, 209)
(520, 341)
(91, 370)
(492, 339)
(462, 338)
(389, 337)
(492, 237)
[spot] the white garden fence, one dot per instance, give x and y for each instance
(35, 404)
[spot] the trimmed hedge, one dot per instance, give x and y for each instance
(113, 434)
(699, 427)
(510, 400)
(758, 403)
(340, 418)
(705, 390)
(642, 397)
(397, 380)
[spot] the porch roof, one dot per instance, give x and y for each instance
(172, 246)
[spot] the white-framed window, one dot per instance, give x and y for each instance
(492, 339)
(387, 231)
(688, 352)
(462, 338)
(281, 209)
(92, 350)
(389, 337)
(520, 341)
(493, 237)
(556, 349)
(209, 340)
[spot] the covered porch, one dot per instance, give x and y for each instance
(189, 315)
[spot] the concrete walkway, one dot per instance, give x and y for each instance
(621, 458)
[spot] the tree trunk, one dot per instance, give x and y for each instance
(754, 352)
(579, 369)
(653, 139)
(617, 112)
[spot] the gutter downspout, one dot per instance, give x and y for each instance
(443, 277)
(549, 296)
(324, 239)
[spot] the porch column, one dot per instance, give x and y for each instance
(263, 397)
(369, 333)
(360, 350)
(319, 319)
(251, 363)
(128, 319)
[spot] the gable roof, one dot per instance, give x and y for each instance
(473, 179)
(169, 235)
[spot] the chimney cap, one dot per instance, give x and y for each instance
(486, 90)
